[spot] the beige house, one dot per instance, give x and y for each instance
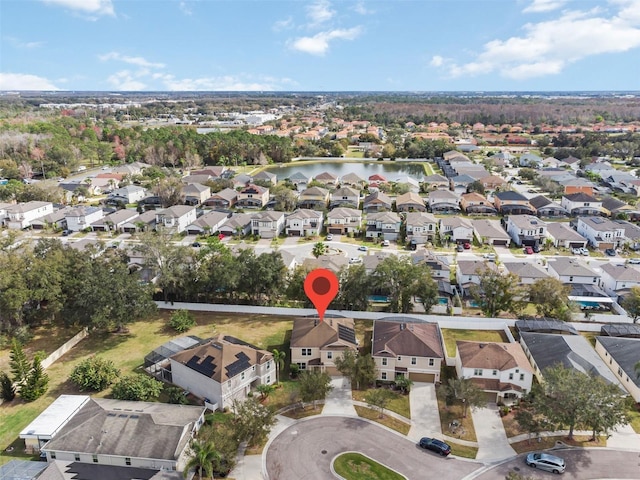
(313, 198)
(195, 193)
(253, 196)
(410, 202)
(344, 220)
(412, 350)
(621, 356)
(345, 197)
(316, 344)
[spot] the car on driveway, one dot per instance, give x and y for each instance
(459, 248)
(528, 250)
(435, 445)
(466, 246)
(354, 260)
(386, 243)
(329, 237)
(363, 248)
(584, 251)
(545, 461)
(610, 252)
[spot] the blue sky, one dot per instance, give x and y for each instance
(320, 45)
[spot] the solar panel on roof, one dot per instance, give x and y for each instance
(242, 363)
(346, 334)
(205, 367)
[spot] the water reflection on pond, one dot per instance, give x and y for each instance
(390, 170)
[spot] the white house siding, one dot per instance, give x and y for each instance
(196, 383)
(30, 212)
(116, 460)
(421, 366)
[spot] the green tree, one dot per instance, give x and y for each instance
(319, 248)
(378, 398)
(404, 383)
(497, 292)
(36, 383)
(529, 420)
(465, 391)
(314, 385)
(202, 455)
(550, 297)
(94, 373)
(631, 304)
(175, 395)
(606, 407)
(265, 390)
(137, 387)
(182, 320)
(476, 186)
(279, 357)
(252, 420)
(401, 280)
(359, 369)
(355, 288)
(7, 390)
(18, 363)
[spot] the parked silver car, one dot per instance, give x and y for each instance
(545, 461)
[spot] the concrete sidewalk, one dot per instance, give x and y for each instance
(492, 439)
(339, 400)
(425, 417)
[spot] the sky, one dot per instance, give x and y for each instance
(320, 45)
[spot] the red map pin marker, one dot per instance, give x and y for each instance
(321, 286)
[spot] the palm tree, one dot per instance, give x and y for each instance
(203, 454)
(278, 358)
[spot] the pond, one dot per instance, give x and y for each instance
(364, 169)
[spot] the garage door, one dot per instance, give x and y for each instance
(576, 245)
(501, 243)
(422, 377)
(337, 231)
(490, 396)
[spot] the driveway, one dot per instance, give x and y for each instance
(339, 400)
(425, 416)
(305, 450)
(492, 439)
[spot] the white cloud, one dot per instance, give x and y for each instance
(285, 24)
(24, 81)
(361, 8)
(126, 81)
(18, 43)
(546, 48)
(221, 83)
(139, 61)
(541, 6)
(320, 12)
(437, 61)
(185, 7)
(89, 7)
(319, 43)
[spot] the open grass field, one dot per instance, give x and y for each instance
(450, 337)
(354, 466)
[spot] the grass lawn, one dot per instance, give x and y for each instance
(307, 411)
(128, 352)
(463, 450)
(634, 416)
(398, 404)
(451, 335)
(354, 466)
(549, 442)
(386, 420)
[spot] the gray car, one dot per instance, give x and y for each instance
(545, 461)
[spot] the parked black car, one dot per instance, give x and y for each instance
(610, 251)
(435, 445)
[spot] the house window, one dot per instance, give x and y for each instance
(413, 360)
(383, 375)
(595, 279)
(431, 362)
(619, 372)
(571, 278)
(399, 358)
(477, 372)
(329, 355)
(306, 352)
(127, 460)
(95, 458)
(384, 362)
(521, 376)
(77, 457)
(511, 376)
(229, 384)
(242, 376)
(268, 379)
(495, 373)
(53, 455)
(302, 365)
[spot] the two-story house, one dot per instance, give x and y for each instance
(621, 356)
(377, 202)
(436, 182)
(615, 279)
(253, 196)
(327, 179)
(208, 223)
(490, 232)
(313, 198)
(267, 224)
(317, 343)
(601, 233)
(224, 199)
(513, 203)
(304, 223)
(456, 229)
(582, 204)
(421, 227)
(500, 369)
(222, 370)
(175, 219)
(384, 225)
(344, 220)
(475, 203)
(345, 197)
(127, 194)
(526, 230)
(20, 216)
(407, 349)
(195, 194)
(527, 272)
(443, 201)
(410, 202)
(571, 270)
(81, 218)
(468, 273)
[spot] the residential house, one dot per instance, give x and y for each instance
(200, 178)
(224, 199)
(344, 220)
(377, 202)
(21, 215)
(267, 224)
(572, 162)
(621, 356)
(616, 278)
(241, 180)
(526, 230)
(436, 182)
(582, 204)
(490, 232)
(299, 178)
(253, 196)
(78, 190)
(176, 219)
(127, 195)
(208, 224)
(612, 207)
(513, 203)
(55, 220)
(493, 182)
(109, 432)
(530, 160)
(501, 370)
(410, 202)
(114, 221)
(631, 233)
(327, 179)
(460, 183)
(215, 172)
(353, 180)
(420, 227)
(602, 233)
(134, 168)
(439, 265)
(314, 198)
(304, 223)
(376, 179)
(527, 272)
(573, 184)
(315, 343)
(223, 370)
(335, 263)
(571, 270)
(476, 203)
(407, 349)
(237, 224)
(547, 208)
(345, 197)
(546, 350)
(456, 229)
(384, 225)
(266, 177)
(443, 201)
(563, 236)
(410, 182)
(195, 194)
(468, 273)
(81, 218)
(144, 221)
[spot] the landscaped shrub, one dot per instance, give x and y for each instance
(176, 395)
(182, 320)
(95, 374)
(7, 390)
(137, 387)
